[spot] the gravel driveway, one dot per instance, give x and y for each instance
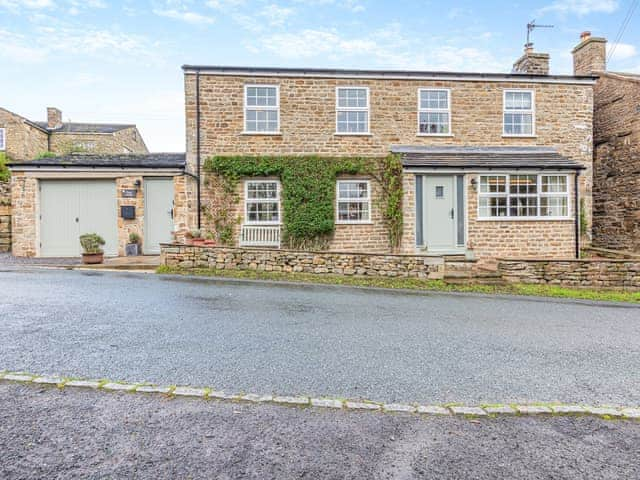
(46, 433)
(318, 340)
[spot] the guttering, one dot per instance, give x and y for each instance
(577, 213)
(385, 74)
(197, 176)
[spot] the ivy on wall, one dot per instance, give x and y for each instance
(5, 175)
(308, 193)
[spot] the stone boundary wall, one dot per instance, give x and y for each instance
(600, 273)
(291, 261)
(5, 216)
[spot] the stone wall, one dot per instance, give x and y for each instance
(23, 141)
(5, 217)
(611, 274)
(337, 263)
(617, 163)
(25, 213)
(127, 140)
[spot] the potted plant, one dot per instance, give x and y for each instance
(195, 237)
(92, 245)
(133, 247)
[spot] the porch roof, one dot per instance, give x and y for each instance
(97, 161)
(484, 158)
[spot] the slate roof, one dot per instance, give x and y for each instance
(137, 160)
(484, 157)
(71, 127)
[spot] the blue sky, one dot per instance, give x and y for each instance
(120, 61)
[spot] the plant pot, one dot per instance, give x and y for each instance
(92, 258)
(209, 243)
(197, 242)
(132, 250)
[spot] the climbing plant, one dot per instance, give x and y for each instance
(4, 170)
(308, 192)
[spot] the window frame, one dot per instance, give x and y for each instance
(532, 111)
(539, 195)
(3, 144)
(433, 110)
(367, 201)
(247, 107)
(248, 201)
(354, 109)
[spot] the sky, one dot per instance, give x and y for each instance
(119, 61)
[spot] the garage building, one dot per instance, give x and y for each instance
(55, 200)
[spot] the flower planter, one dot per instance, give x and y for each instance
(197, 242)
(92, 258)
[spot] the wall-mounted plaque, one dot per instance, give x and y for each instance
(129, 193)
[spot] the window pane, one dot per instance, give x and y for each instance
(434, 99)
(518, 123)
(523, 206)
(523, 184)
(554, 206)
(493, 206)
(353, 211)
(493, 184)
(431, 122)
(554, 184)
(352, 122)
(262, 190)
(352, 97)
(349, 190)
(262, 212)
(518, 100)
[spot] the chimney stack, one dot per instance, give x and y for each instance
(531, 62)
(54, 118)
(590, 56)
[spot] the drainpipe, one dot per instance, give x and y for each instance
(197, 176)
(576, 193)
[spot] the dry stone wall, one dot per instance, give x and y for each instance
(609, 274)
(289, 261)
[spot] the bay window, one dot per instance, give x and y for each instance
(523, 196)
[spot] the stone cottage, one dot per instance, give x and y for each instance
(616, 189)
(42, 155)
(491, 164)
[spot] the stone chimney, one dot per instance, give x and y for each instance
(54, 118)
(590, 56)
(531, 62)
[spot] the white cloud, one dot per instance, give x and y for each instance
(387, 47)
(184, 15)
(28, 4)
(622, 51)
(580, 7)
(50, 41)
(275, 15)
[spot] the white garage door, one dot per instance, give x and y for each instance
(70, 208)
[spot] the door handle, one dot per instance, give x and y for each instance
(171, 213)
(77, 219)
(452, 214)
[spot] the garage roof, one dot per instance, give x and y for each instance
(71, 127)
(484, 157)
(144, 160)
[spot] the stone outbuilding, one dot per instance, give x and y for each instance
(55, 200)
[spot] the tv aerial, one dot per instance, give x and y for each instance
(531, 26)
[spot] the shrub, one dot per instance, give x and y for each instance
(92, 243)
(134, 238)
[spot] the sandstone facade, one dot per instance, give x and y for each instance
(564, 115)
(617, 162)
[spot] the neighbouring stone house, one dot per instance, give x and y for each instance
(22, 139)
(489, 161)
(616, 190)
(28, 142)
